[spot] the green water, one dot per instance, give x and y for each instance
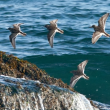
(96, 88)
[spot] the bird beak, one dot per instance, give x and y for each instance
(90, 27)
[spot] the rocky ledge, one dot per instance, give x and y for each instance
(18, 68)
(23, 86)
(22, 94)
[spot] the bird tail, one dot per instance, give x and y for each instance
(85, 77)
(107, 35)
(23, 34)
(60, 31)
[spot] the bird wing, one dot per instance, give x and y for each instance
(74, 80)
(102, 20)
(50, 36)
(12, 39)
(54, 22)
(81, 66)
(85, 77)
(17, 26)
(59, 30)
(96, 35)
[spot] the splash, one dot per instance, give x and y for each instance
(17, 93)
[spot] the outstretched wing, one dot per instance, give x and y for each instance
(85, 77)
(17, 26)
(96, 35)
(81, 66)
(50, 36)
(12, 39)
(74, 80)
(102, 20)
(54, 22)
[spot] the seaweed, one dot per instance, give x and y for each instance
(19, 68)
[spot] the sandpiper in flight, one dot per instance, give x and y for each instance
(52, 30)
(100, 29)
(78, 73)
(14, 32)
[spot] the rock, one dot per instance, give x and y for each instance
(22, 94)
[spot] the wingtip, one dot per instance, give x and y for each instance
(14, 47)
(62, 32)
(87, 61)
(56, 20)
(84, 62)
(93, 42)
(24, 34)
(51, 45)
(88, 78)
(85, 77)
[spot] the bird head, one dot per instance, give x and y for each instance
(93, 26)
(9, 28)
(46, 25)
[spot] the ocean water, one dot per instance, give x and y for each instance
(71, 48)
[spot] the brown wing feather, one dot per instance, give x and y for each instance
(96, 35)
(17, 26)
(74, 80)
(12, 39)
(81, 66)
(54, 21)
(50, 36)
(102, 20)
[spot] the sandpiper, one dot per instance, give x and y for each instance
(52, 30)
(14, 32)
(78, 73)
(100, 29)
